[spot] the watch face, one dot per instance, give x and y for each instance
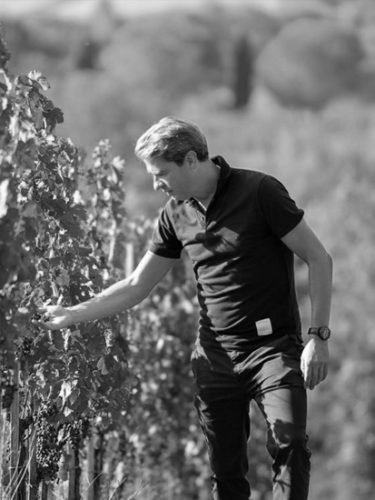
(324, 332)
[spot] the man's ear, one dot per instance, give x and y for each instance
(191, 159)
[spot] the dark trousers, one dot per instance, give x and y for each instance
(227, 381)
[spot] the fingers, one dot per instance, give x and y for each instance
(42, 320)
(44, 316)
(313, 373)
(308, 378)
(54, 317)
(46, 308)
(323, 372)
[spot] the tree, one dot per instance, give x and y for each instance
(243, 73)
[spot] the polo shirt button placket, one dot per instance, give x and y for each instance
(200, 215)
(202, 219)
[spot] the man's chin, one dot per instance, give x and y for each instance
(175, 197)
(178, 198)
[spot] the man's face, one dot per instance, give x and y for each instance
(172, 179)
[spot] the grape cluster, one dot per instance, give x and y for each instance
(7, 388)
(47, 409)
(48, 447)
(77, 431)
(25, 347)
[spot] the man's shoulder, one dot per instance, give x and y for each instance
(249, 173)
(239, 175)
(256, 178)
(247, 178)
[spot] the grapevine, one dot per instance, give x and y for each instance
(64, 236)
(8, 388)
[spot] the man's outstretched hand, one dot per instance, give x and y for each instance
(54, 317)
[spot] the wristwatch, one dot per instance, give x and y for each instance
(323, 332)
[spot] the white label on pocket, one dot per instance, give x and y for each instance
(264, 326)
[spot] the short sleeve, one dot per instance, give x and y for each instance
(278, 208)
(164, 241)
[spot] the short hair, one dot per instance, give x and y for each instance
(171, 139)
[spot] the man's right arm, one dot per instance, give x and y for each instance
(114, 299)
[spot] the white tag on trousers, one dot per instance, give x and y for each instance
(264, 326)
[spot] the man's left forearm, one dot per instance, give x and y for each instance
(320, 289)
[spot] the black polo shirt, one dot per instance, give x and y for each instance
(244, 272)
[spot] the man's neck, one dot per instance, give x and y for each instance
(208, 179)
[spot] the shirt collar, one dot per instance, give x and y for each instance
(224, 174)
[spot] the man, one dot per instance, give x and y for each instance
(240, 229)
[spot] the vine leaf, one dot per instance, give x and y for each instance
(3, 197)
(69, 393)
(102, 366)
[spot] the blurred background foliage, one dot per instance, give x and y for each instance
(284, 87)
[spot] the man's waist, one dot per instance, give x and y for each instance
(256, 333)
